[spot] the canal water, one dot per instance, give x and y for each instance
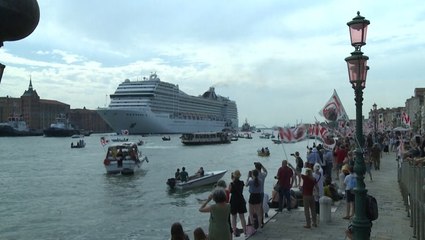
(50, 191)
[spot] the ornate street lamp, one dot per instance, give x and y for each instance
(2, 66)
(357, 71)
(18, 19)
(375, 122)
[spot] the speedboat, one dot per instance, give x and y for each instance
(195, 181)
(166, 138)
(124, 158)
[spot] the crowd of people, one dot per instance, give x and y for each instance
(325, 172)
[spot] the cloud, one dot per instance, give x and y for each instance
(279, 60)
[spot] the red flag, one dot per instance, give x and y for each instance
(326, 138)
(405, 118)
(291, 135)
(285, 134)
(333, 110)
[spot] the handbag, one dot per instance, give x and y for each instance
(276, 187)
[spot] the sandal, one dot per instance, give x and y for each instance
(346, 217)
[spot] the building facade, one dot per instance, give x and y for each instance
(387, 119)
(40, 113)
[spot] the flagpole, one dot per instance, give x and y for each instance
(284, 151)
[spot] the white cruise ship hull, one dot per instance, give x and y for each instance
(142, 121)
(152, 106)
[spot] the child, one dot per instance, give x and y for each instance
(350, 184)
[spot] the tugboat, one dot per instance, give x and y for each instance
(246, 127)
(61, 128)
(17, 127)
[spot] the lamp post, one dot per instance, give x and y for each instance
(18, 19)
(357, 71)
(375, 123)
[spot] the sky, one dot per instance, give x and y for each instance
(279, 60)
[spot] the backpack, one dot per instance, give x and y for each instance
(300, 162)
(371, 208)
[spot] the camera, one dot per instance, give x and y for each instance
(292, 154)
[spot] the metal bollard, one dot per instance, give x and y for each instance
(325, 209)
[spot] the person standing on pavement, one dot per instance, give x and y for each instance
(254, 184)
(299, 163)
(285, 176)
(319, 177)
(328, 157)
(350, 183)
(262, 174)
(340, 154)
(375, 154)
(237, 202)
(309, 183)
(219, 227)
(313, 158)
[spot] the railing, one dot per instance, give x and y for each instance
(411, 177)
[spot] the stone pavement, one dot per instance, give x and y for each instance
(392, 223)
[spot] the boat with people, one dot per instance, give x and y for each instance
(203, 138)
(152, 106)
(124, 158)
(79, 144)
(208, 178)
(166, 138)
(17, 127)
(263, 152)
(61, 128)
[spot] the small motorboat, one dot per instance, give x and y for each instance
(195, 181)
(166, 138)
(124, 158)
(80, 144)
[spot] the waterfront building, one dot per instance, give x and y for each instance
(40, 113)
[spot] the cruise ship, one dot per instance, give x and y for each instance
(151, 106)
